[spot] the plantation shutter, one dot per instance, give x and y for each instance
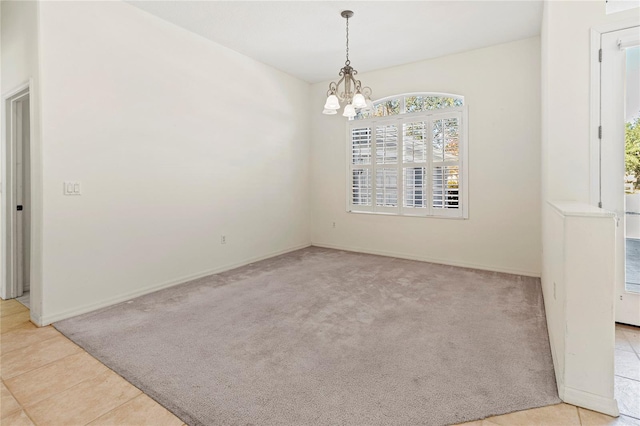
(445, 173)
(411, 164)
(361, 169)
(386, 167)
(415, 138)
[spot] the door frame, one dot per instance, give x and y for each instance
(595, 99)
(36, 198)
(35, 176)
(9, 231)
(597, 134)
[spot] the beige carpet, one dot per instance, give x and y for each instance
(325, 337)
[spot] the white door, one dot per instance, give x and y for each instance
(22, 195)
(19, 196)
(616, 76)
(15, 203)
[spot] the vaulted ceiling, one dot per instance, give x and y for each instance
(307, 38)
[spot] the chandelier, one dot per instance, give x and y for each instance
(351, 92)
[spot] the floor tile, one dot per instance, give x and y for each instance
(54, 378)
(560, 414)
(591, 418)
(19, 418)
(11, 307)
(140, 411)
(23, 337)
(25, 299)
(35, 356)
(632, 334)
(627, 364)
(8, 403)
(26, 324)
(629, 329)
(84, 402)
(622, 343)
(7, 302)
(634, 340)
(626, 392)
(13, 321)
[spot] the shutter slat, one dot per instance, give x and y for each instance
(361, 189)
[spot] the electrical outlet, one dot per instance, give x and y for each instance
(223, 239)
(334, 225)
(72, 188)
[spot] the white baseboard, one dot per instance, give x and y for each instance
(36, 319)
(49, 319)
(429, 259)
(590, 401)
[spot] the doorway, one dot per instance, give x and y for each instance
(16, 201)
(620, 161)
(632, 170)
(620, 193)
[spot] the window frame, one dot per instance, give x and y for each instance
(402, 102)
(399, 120)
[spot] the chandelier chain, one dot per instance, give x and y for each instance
(347, 62)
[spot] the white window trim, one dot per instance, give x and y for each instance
(463, 156)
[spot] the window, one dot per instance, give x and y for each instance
(408, 157)
(414, 102)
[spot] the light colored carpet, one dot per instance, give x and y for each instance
(326, 337)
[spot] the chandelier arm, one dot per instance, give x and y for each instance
(357, 85)
(340, 96)
(333, 89)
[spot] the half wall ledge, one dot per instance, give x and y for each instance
(578, 285)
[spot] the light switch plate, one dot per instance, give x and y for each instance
(72, 188)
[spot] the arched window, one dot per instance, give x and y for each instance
(411, 102)
(409, 157)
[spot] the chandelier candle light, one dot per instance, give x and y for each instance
(352, 92)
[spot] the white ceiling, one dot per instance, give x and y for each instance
(307, 38)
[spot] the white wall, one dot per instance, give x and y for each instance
(176, 141)
(566, 130)
(501, 87)
(19, 43)
(566, 95)
(20, 64)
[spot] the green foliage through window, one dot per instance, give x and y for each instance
(411, 103)
(632, 153)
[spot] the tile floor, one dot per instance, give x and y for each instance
(627, 364)
(632, 264)
(49, 380)
(25, 299)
